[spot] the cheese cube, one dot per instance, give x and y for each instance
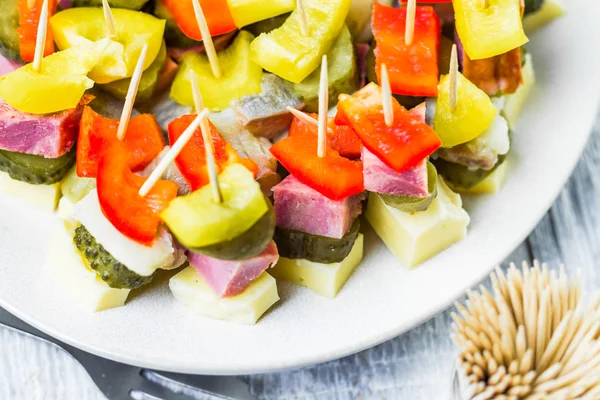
(44, 197)
(190, 288)
(514, 102)
(491, 184)
(551, 9)
(415, 237)
(324, 279)
(86, 288)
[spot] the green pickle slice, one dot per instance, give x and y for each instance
(36, 170)
(460, 176)
(147, 82)
(114, 273)
(247, 245)
(9, 22)
(411, 203)
(321, 249)
(342, 71)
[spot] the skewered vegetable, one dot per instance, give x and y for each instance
(462, 177)
(9, 23)
(412, 203)
(217, 13)
(36, 170)
(174, 36)
(246, 12)
(293, 56)
(549, 11)
(412, 68)
(64, 72)
(197, 221)
(241, 76)
(294, 244)
(342, 74)
(134, 30)
(29, 19)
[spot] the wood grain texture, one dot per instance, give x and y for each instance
(413, 366)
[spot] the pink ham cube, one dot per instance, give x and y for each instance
(380, 178)
(301, 208)
(230, 278)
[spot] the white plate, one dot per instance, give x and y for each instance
(381, 300)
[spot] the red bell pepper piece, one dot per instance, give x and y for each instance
(333, 176)
(340, 137)
(134, 216)
(192, 159)
(217, 14)
(401, 146)
(29, 19)
(143, 139)
(412, 69)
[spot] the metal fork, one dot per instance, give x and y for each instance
(122, 382)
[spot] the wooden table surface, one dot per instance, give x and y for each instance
(416, 365)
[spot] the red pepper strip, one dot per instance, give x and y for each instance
(340, 137)
(143, 139)
(192, 159)
(333, 176)
(134, 216)
(29, 20)
(412, 69)
(217, 14)
(401, 146)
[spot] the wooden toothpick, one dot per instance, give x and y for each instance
(323, 108)
(207, 139)
(484, 4)
(386, 97)
(409, 31)
(306, 118)
(302, 15)
(109, 18)
(453, 78)
(131, 94)
(209, 46)
(172, 154)
(40, 40)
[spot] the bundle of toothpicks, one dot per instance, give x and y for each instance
(536, 337)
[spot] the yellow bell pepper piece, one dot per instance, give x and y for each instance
(240, 75)
(293, 56)
(490, 31)
(246, 12)
(134, 29)
(58, 85)
(473, 114)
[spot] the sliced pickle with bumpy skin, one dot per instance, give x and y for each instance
(342, 71)
(411, 203)
(36, 170)
(460, 176)
(407, 102)
(247, 245)
(114, 273)
(9, 37)
(296, 244)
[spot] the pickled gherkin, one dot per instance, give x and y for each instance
(148, 81)
(114, 273)
(247, 245)
(294, 244)
(342, 71)
(36, 170)
(9, 37)
(460, 176)
(415, 204)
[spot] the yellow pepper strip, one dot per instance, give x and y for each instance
(293, 56)
(246, 12)
(60, 83)
(489, 31)
(473, 114)
(240, 76)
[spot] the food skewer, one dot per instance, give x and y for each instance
(323, 108)
(305, 117)
(172, 154)
(209, 46)
(131, 94)
(111, 24)
(302, 15)
(198, 103)
(40, 42)
(386, 96)
(453, 78)
(409, 32)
